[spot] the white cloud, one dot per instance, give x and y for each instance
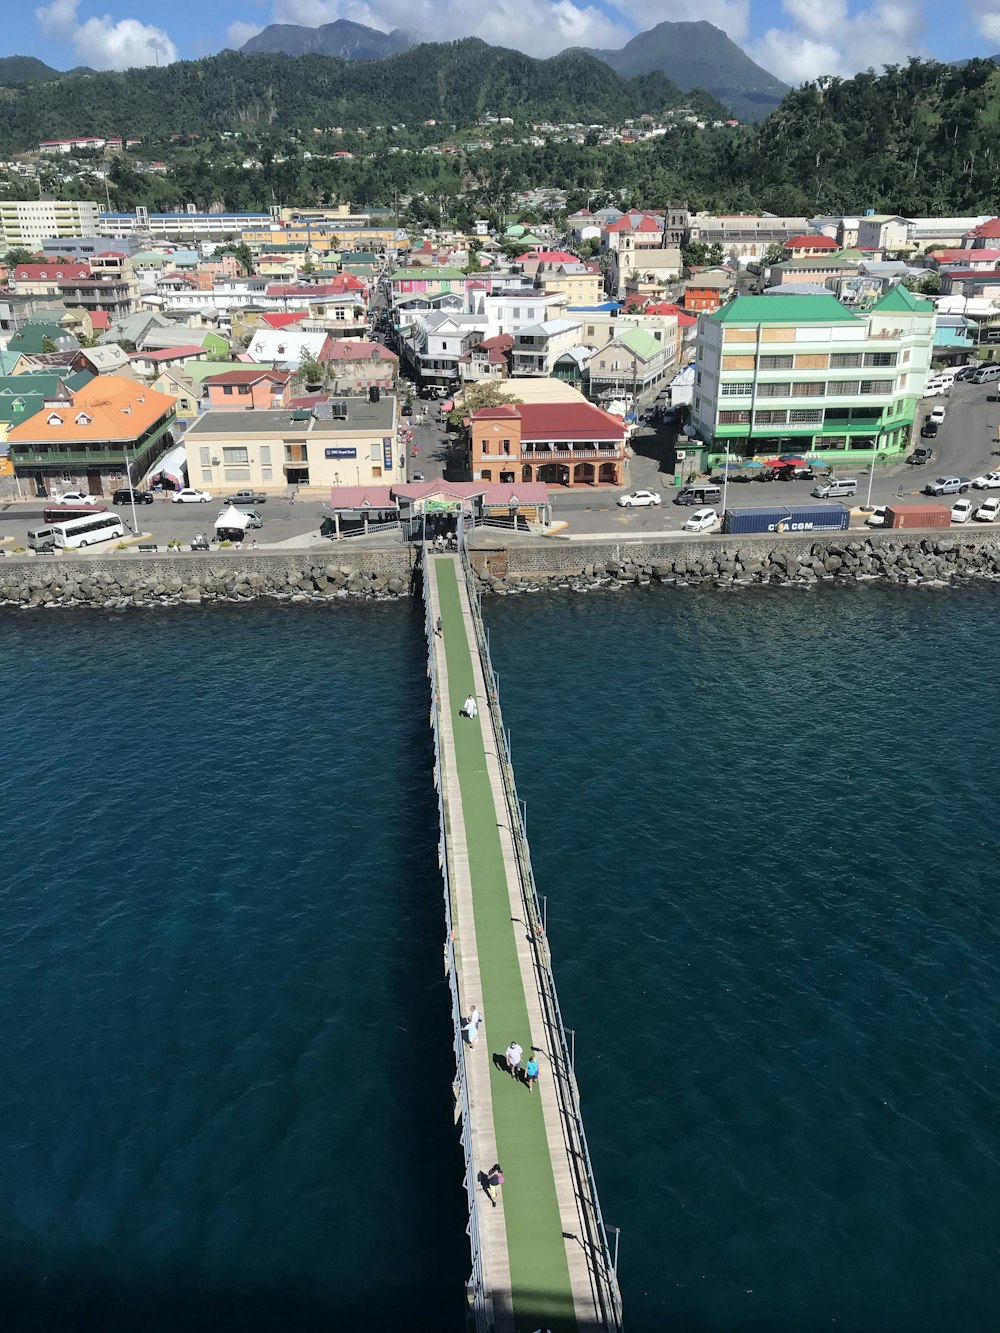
(239, 32)
(103, 43)
(828, 39)
(555, 24)
(986, 16)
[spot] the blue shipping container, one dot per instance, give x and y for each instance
(801, 518)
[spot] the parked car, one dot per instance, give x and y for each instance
(791, 472)
(929, 429)
(923, 453)
(835, 486)
(255, 519)
(934, 390)
(189, 496)
(701, 520)
(638, 499)
(937, 415)
(965, 372)
(947, 486)
(989, 481)
(123, 496)
(876, 519)
(416, 476)
(76, 498)
(245, 498)
(406, 410)
(961, 511)
(988, 511)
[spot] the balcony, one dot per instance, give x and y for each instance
(110, 454)
(566, 455)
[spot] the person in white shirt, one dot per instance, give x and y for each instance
(471, 1028)
(514, 1053)
(470, 708)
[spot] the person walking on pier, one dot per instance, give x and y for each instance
(471, 1028)
(494, 1179)
(470, 708)
(439, 628)
(514, 1053)
(531, 1071)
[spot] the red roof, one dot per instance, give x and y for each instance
(356, 349)
(630, 222)
(100, 319)
(967, 256)
(813, 241)
(42, 272)
(558, 421)
(274, 320)
(248, 376)
(983, 274)
(986, 229)
(503, 342)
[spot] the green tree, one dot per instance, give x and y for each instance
(18, 255)
(242, 252)
(931, 285)
(485, 393)
(48, 345)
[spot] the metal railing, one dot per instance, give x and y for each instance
(478, 1298)
(600, 1255)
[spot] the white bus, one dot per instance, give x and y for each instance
(86, 531)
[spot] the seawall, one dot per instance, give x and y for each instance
(141, 579)
(897, 557)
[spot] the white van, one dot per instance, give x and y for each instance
(987, 373)
(78, 532)
(42, 539)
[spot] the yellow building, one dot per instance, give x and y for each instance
(272, 450)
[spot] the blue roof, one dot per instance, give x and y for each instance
(608, 305)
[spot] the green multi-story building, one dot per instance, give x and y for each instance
(804, 373)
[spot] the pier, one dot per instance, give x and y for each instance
(540, 1259)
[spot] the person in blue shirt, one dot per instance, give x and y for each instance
(531, 1071)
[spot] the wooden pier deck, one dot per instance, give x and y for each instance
(544, 1256)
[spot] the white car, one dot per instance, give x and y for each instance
(933, 390)
(77, 498)
(638, 499)
(961, 511)
(988, 511)
(189, 496)
(989, 481)
(937, 415)
(701, 520)
(876, 519)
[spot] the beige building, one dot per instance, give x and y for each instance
(29, 222)
(343, 442)
(576, 282)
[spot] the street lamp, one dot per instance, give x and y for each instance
(725, 482)
(131, 492)
(871, 473)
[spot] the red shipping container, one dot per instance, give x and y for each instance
(917, 516)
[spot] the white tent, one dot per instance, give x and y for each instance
(170, 469)
(232, 518)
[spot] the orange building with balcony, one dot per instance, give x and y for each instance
(558, 444)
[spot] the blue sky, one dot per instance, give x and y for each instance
(795, 39)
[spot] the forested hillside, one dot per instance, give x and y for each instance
(452, 82)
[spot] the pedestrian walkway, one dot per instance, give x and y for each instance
(543, 1267)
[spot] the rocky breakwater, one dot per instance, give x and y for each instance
(142, 580)
(930, 559)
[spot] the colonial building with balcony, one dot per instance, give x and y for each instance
(537, 347)
(631, 362)
(779, 373)
(433, 346)
(112, 287)
(558, 444)
(85, 443)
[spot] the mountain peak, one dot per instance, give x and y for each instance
(342, 37)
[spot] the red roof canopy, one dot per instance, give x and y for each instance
(811, 242)
(557, 421)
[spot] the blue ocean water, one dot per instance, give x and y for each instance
(225, 1098)
(765, 823)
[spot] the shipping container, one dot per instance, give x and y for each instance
(917, 516)
(800, 518)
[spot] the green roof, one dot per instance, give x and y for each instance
(528, 239)
(783, 310)
(408, 274)
(899, 298)
(641, 342)
(32, 390)
(199, 370)
(32, 334)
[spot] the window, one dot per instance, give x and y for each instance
(486, 474)
(206, 456)
(735, 388)
(265, 474)
(227, 389)
(206, 476)
(770, 418)
(774, 390)
(236, 454)
(808, 389)
(602, 365)
(505, 445)
(844, 360)
(265, 455)
(376, 471)
(842, 388)
(243, 388)
(776, 362)
(875, 386)
(880, 359)
(376, 453)
(237, 473)
(807, 416)
(734, 418)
